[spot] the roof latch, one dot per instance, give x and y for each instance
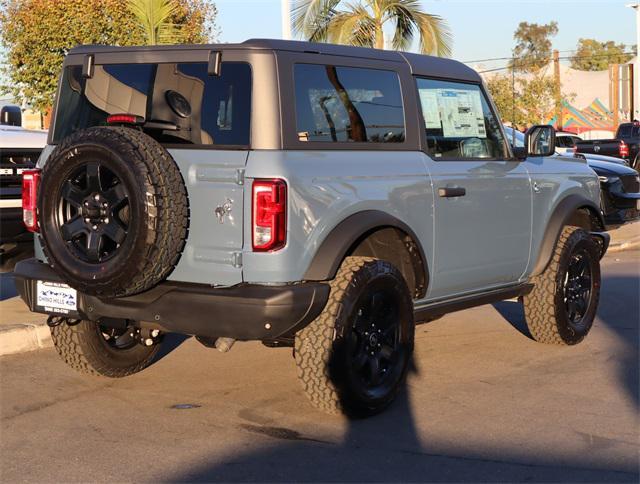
(215, 61)
(87, 66)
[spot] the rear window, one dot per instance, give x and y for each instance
(180, 103)
(348, 104)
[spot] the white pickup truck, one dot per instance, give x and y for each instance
(19, 150)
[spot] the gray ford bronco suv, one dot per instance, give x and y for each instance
(321, 197)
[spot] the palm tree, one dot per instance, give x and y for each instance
(361, 23)
(155, 18)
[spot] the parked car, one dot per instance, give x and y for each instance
(566, 142)
(19, 150)
(619, 184)
(625, 145)
(180, 192)
(566, 145)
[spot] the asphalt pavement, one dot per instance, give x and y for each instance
(483, 403)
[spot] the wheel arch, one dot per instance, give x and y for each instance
(574, 210)
(377, 234)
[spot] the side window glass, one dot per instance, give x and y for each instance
(348, 104)
(458, 122)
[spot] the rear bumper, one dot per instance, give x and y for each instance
(244, 312)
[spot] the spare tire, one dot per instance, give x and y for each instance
(113, 211)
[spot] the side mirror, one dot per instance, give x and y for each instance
(11, 116)
(540, 140)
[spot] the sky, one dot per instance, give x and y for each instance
(481, 28)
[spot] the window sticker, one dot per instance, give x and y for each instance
(458, 112)
(461, 113)
(430, 111)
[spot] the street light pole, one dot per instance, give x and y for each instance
(636, 66)
(286, 19)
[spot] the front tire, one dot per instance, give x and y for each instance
(94, 350)
(354, 357)
(563, 303)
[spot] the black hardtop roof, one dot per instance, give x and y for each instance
(421, 65)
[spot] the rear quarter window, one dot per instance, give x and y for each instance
(180, 103)
(348, 104)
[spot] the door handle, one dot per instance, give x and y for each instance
(452, 192)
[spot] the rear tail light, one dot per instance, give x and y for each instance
(30, 182)
(624, 150)
(124, 119)
(269, 215)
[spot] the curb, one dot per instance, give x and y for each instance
(627, 245)
(20, 338)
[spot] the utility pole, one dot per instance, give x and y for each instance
(635, 88)
(615, 93)
(286, 19)
(513, 94)
(557, 88)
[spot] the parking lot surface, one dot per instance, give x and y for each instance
(483, 402)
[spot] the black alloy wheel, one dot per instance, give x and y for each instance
(93, 213)
(375, 342)
(578, 287)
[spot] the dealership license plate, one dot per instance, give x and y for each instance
(55, 297)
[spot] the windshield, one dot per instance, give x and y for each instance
(176, 103)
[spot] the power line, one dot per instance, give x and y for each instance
(525, 64)
(511, 57)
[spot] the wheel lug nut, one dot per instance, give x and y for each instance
(86, 220)
(94, 227)
(105, 205)
(86, 204)
(96, 197)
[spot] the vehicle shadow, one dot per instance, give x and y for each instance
(619, 311)
(384, 448)
(513, 313)
(170, 342)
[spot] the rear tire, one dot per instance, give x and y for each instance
(85, 348)
(354, 357)
(563, 303)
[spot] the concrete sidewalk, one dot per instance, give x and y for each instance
(22, 330)
(625, 237)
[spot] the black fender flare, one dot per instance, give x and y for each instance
(559, 218)
(347, 234)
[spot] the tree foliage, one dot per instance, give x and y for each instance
(361, 23)
(37, 34)
(593, 55)
(534, 98)
(533, 45)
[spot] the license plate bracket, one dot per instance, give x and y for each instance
(56, 298)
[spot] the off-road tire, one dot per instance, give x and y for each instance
(319, 347)
(158, 217)
(84, 349)
(544, 307)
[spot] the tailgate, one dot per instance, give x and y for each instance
(214, 180)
